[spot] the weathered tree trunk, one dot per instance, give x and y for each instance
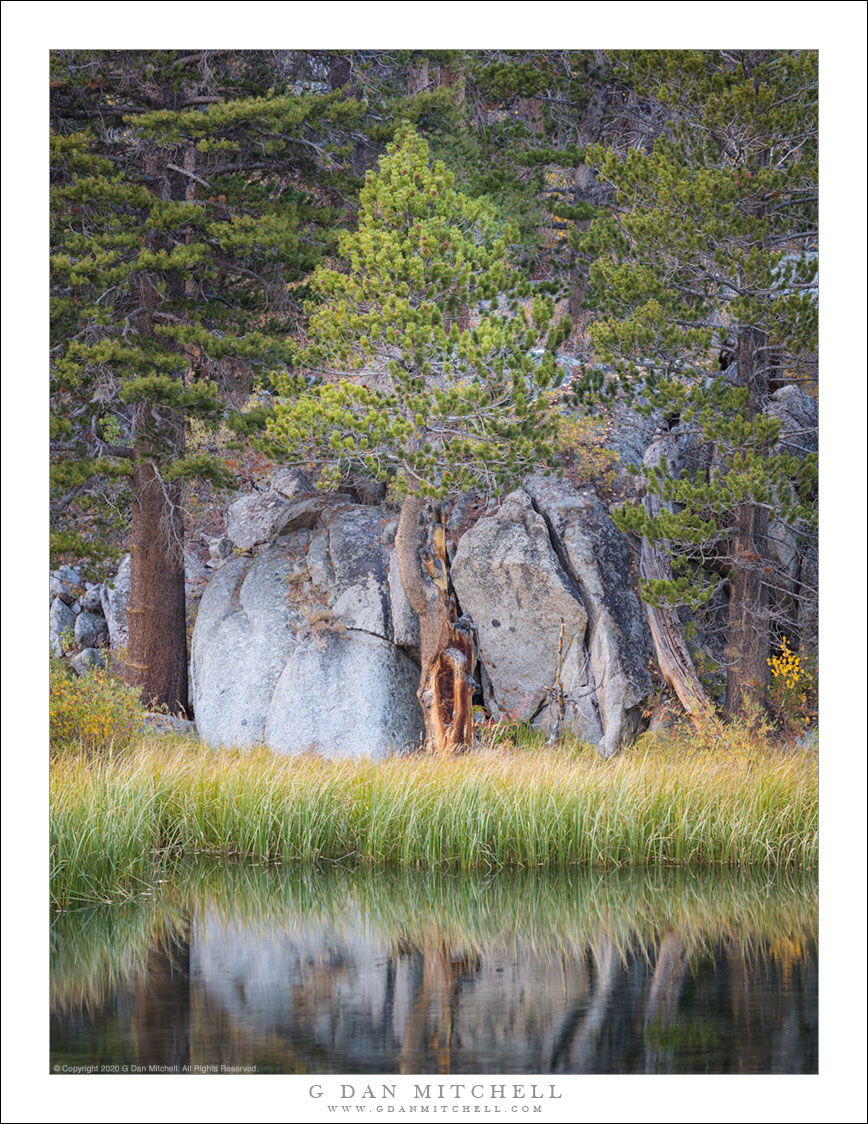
(747, 647)
(448, 642)
(673, 655)
(157, 654)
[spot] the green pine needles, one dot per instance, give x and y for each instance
(703, 273)
(421, 345)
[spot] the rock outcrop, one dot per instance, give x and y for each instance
(61, 627)
(296, 646)
(308, 642)
(115, 602)
(597, 559)
(552, 555)
(511, 583)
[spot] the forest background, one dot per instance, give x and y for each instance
(30, 29)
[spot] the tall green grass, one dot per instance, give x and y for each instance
(677, 803)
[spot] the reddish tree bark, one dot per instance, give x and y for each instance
(157, 654)
(448, 642)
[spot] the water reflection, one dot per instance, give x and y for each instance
(329, 971)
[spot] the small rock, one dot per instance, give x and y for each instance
(219, 549)
(91, 630)
(64, 583)
(387, 535)
(87, 658)
(309, 511)
(91, 600)
(169, 724)
(290, 482)
(61, 627)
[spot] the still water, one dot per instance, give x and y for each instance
(330, 971)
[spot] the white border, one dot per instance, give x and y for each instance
(838, 30)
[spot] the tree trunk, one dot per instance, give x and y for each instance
(448, 641)
(673, 655)
(747, 672)
(157, 654)
(747, 649)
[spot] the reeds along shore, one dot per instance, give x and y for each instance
(685, 800)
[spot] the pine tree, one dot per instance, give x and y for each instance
(704, 273)
(421, 352)
(190, 199)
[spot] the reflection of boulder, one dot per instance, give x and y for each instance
(352, 1000)
(321, 992)
(294, 970)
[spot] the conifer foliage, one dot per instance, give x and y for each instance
(187, 197)
(704, 275)
(421, 349)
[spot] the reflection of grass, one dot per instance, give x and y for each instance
(698, 1034)
(530, 809)
(552, 913)
(93, 950)
(555, 910)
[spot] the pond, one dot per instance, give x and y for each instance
(300, 970)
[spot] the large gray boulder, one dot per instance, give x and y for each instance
(310, 643)
(295, 647)
(551, 554)
(596, 557)
(509, 580)
(345, 694)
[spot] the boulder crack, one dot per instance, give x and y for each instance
(581, 593)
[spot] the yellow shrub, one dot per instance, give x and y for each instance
(95, 712)
(581, 441)
(793, 689)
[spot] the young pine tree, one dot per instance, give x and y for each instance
(420, 353)
(710, 242)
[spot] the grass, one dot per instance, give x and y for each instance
(720, 798)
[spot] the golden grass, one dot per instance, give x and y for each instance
(717, 799)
